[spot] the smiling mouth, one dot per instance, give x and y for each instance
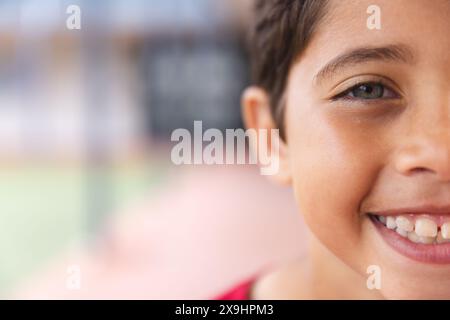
(418, 229)
(421, 237)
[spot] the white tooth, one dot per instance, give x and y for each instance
(382, 219)
(445, 230)
(412, 236)
(426, 240)
(404, 223)
(440, 239)
(402, 232)
(426, 228)
(390, 223)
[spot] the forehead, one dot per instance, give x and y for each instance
(423, 25)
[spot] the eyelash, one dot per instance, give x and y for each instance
(345, 94)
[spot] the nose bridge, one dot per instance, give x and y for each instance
(433, 126)
(431, 110)
(431, 118)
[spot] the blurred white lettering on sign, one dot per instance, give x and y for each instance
(73, 21)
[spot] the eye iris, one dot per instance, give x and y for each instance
(368, 91)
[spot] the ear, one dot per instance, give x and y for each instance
(257, 115)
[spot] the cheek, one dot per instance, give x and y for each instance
(334, 164)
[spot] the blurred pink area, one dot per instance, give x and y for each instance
(208, 230)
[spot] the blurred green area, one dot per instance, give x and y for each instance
(45, 208)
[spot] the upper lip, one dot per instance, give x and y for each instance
(421, 209)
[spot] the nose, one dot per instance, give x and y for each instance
(425, 158)
(426, 149)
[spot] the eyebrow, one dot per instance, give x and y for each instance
(391, 53)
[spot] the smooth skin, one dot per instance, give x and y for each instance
(363, 134)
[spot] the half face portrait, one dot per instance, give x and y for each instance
(365, 113)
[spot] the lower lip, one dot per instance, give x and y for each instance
(428, 253)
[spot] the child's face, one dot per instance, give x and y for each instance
(382, 148)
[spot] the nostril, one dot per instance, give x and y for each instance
(418, 170)
(424, 158)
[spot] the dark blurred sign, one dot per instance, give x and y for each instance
(193, 79)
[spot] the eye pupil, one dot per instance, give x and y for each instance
(368, 91)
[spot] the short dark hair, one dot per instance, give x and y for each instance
(280, 32)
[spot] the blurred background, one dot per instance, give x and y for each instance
(87, 188)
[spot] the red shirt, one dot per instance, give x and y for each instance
(240, 292)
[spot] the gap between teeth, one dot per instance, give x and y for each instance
(424, 230)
